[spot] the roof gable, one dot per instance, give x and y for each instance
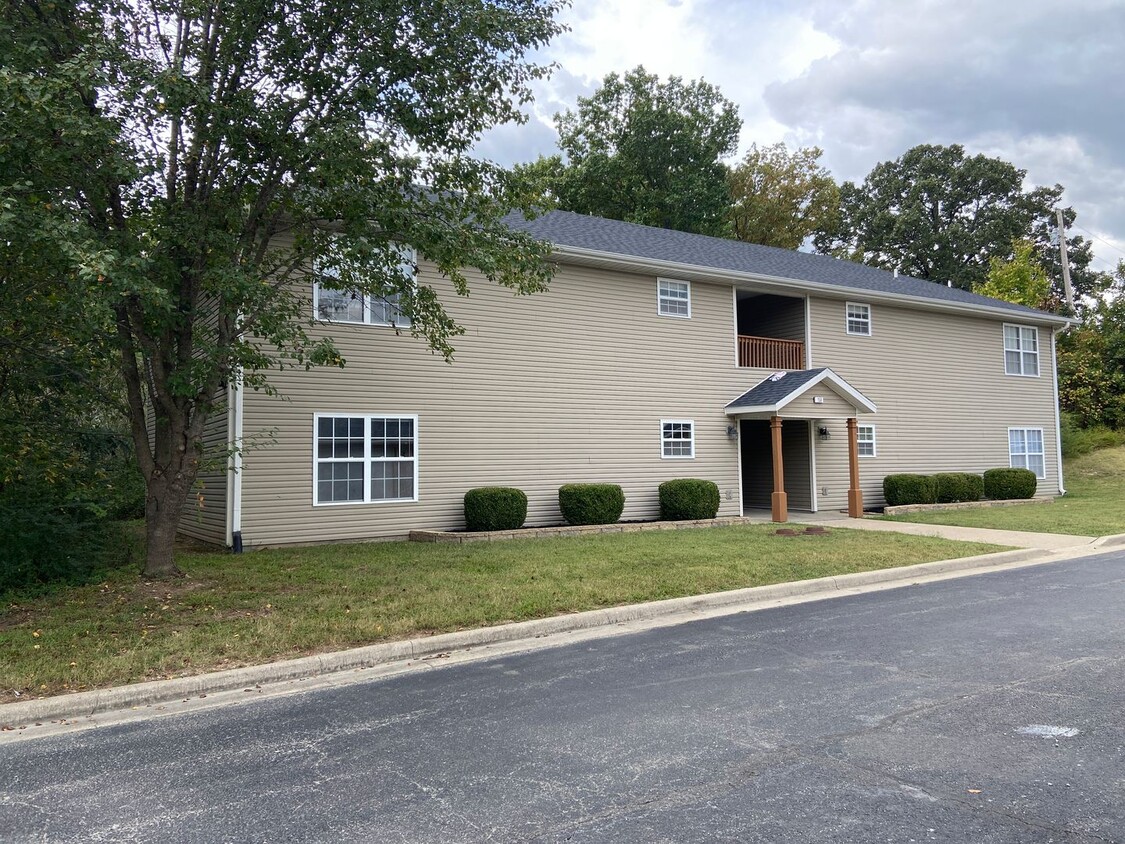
(773, 393)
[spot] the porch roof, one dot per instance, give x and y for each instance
(773, 393)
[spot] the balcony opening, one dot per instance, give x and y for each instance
(771, 330)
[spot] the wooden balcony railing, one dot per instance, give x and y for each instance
(770, 353)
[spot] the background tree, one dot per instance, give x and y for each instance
(1092, 361)
(938, 214)
(779, 198)
(645, 151)
(219, 150)
(1021, 280)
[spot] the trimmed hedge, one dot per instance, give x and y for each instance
(953, 487)
(591, 504)
(688, 498)
(909, 489)
(495, 508)
(1003, 484)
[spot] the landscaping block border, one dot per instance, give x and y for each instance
(462, 536)
(903, 509)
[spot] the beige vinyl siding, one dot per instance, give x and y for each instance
(564, 386)
(205, 512)
(805, 406)
(795, 461)
(944, 402)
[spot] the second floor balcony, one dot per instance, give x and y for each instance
(770, 352)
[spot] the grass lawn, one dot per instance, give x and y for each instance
(1094, 504)
(268, 605)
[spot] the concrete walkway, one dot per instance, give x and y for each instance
(1011, 538)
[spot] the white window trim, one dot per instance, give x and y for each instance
(1004, 343)
(1043, 453)
(367, 417)
(664, 456)
(847, 320)
(660, 299)
(409, 256)
(874, 442)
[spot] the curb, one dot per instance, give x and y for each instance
(83, 704)
(1112, 541)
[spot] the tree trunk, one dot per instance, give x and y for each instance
(163, 504)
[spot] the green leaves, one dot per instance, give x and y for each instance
(938, 214)
(645, 151)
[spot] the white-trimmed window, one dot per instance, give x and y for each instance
(353, 306)
(1025, 450)
(673, 298)
(364, 459)
(677, 438)
(1021, 350)
(865, 440)
(858, 318)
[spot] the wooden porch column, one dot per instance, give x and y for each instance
(855, 494)
(779, 508)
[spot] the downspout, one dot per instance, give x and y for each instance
(1055, 394)
(234, 464)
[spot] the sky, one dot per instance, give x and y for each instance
(1040, 84)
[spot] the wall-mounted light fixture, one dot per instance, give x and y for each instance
(732, 432)
(823, 432)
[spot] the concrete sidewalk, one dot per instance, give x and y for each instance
(1012, 538)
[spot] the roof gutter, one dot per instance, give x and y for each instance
(633, 262)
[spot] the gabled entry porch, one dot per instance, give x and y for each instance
(779, 421)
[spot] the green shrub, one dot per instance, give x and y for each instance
(958, 486)
(688, 498)
(591, 504)
(44, 539)
(1077, 440)
(495, 508)
(909, 489)
(1004, 484)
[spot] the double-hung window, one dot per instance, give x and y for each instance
(1025, 450)
(673, 298)
(365, 459)
(372, 309)
(858, 318)
(677, 438)
(1021, 350)
(865, 440)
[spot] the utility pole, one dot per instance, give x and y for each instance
(1065, 261)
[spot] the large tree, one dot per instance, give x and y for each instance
(939, 214)
(645, 151)
(780, 198)
(189, 158)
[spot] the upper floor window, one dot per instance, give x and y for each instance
(1025, 450)
(673, 298)
(858, 319)
(677, 438)
(1021, 350)
(865, 440)
(353, 306)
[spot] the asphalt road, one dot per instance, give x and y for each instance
(985, 709)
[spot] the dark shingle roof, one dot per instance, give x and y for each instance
(565, 228)
(769, 393)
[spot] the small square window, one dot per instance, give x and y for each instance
(352, 306)
(859, 319)
(677, 438)
(865, 440)
(673, 298)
